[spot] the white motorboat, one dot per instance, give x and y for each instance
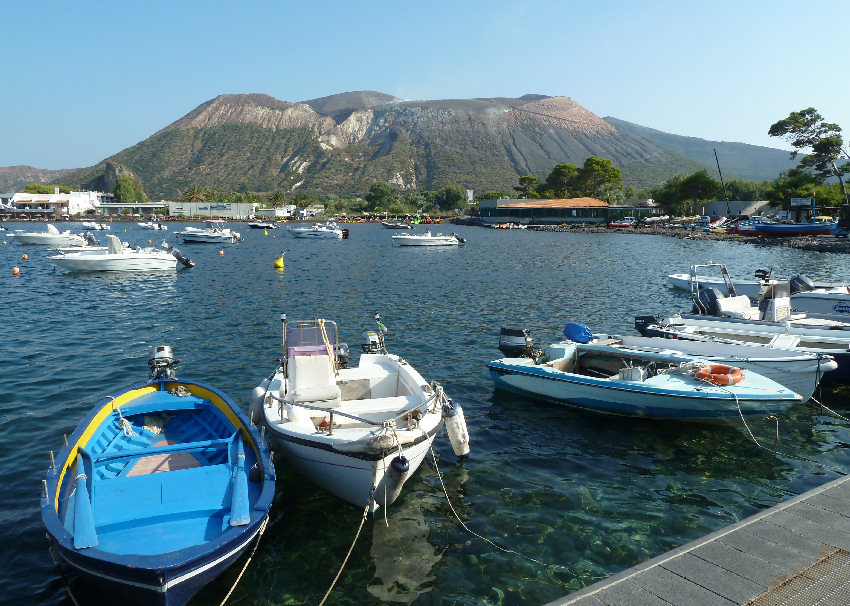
(152, 225)
(427, 239)
(694, 280)
(318, 230)
(357, 432)
(52, 237)
(95, 226)
(117, 257)
(799, 371)
(261, 225)
(604, 377)
(396, 224)
(215, 231)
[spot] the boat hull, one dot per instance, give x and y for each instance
(123, 262)
(787, 230)
(800, 372)
(50, 240)
(424, 241)
(832, 305)
(635, 399)
(157, 510)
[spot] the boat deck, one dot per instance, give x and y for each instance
(795, 553)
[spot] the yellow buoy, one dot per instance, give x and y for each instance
(149, 242)
(278, 263)
(265, 232)
(4, 242)
(16, 271)
(24, 256)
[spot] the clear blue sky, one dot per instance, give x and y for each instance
(84, 80)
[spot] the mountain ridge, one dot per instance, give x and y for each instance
(341, 144)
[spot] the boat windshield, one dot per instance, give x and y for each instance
(308, 334)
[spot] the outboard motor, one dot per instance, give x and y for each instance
(705, 302)
(762, 275)
(184, 260)
(345, 233)
(642, 323)
(459, 239)
(90, 239)
(800, 283)
(370, 342)
(342, 355)
(162, 363)
(516, 343)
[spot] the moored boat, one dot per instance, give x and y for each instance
(357, 432)
(215, 231)
(327, 230)
(152, 225)
(821, 226)
(603, 377)
(427, 239)
(52, 237)
(799, 371)
(261, 225)
(117, 257)
(159, 489)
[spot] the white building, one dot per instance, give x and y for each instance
(277, 213)
(56, 204)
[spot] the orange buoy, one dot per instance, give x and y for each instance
(16, 271)
(24, 256)
(720, 374)
(221, 253)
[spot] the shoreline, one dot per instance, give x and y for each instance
(813, 243)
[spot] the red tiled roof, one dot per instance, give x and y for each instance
(566, 203)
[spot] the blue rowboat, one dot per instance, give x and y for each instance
(604, 376)
(159, 489)
(812, 228)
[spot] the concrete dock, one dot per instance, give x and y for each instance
(796, 553)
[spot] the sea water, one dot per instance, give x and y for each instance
(568, 497)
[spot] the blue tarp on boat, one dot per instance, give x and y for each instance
(577, 332)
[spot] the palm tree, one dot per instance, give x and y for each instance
(193, 193)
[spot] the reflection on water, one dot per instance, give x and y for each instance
(587, 495)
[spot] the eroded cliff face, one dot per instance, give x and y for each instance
(342, 144)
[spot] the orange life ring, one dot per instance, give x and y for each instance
(720, 374)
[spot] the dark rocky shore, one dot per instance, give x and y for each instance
(815, 243)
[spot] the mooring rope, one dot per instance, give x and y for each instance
(467, 528)
(62, 574)
(353, 543)
(248, 561)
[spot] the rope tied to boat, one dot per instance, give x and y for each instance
(354, 542)
(248, 561)
(327, 343)
(126, 426)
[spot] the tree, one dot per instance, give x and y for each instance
(562, 180)
(490, 195)
(278, 199)
(381, 196)
(193, 193)
(527, 187)
(806, 129)
(450, 198)
(699, 186)
(595, 173)
(128, 190)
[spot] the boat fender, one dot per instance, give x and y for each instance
(394, 480)
(720, 374)
(456, 428)
(258, 395)
(299, 416)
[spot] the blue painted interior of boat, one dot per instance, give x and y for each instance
(158, 476)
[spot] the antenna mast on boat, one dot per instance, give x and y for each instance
(725, 196)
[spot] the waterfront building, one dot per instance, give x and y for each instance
(55, 205)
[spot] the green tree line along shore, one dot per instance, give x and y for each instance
(820, 173)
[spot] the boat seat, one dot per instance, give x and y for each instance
(737, 307)
(312, 381)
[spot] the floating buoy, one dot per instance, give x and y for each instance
(456, 428)
(265, 232)
(394, 479)
(278, 263)
(149, 242)
(24, 256)
(16, 271)
(4, 242)
(221, 253)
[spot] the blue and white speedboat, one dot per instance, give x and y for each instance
(159, 489)
(604, 377)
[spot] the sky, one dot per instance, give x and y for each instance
(84, 80)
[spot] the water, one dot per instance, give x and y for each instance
(586, 495)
